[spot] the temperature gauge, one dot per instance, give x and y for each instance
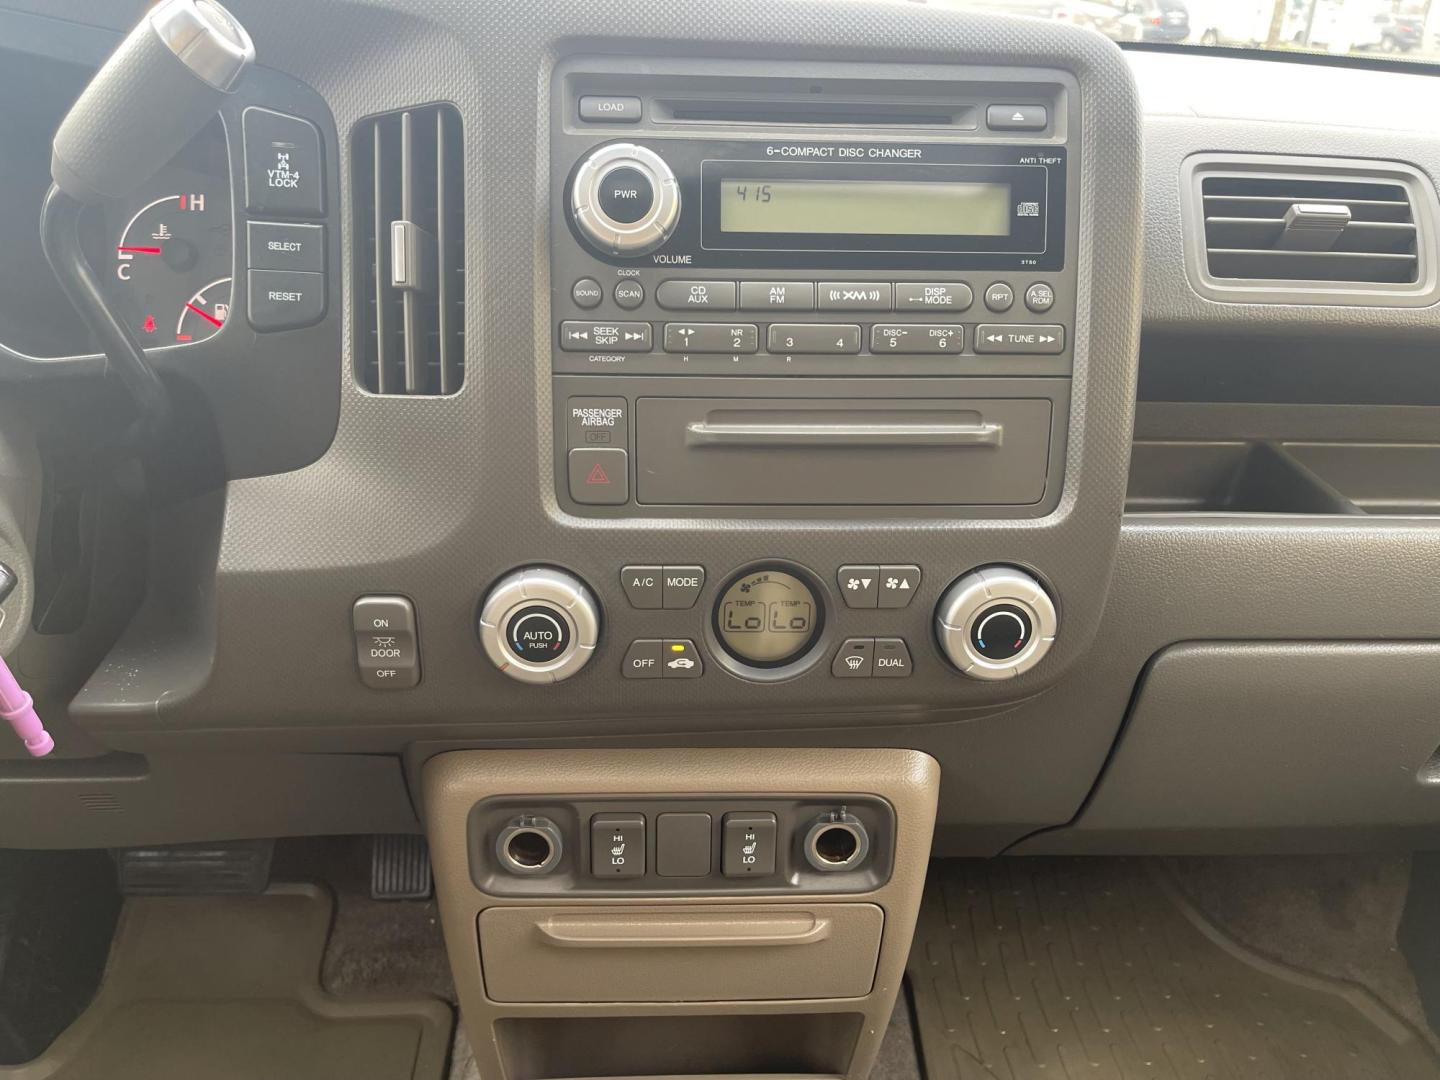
(172, 267)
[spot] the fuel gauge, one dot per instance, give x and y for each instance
(204, 314)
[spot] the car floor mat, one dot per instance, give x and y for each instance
(1100, 968)
(227, 988)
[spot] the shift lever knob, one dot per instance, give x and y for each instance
(155, 93)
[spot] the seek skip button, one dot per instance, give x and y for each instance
(285, 299)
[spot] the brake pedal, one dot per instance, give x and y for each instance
(232, 867)
(400, 867)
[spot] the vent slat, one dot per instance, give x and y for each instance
(1247, 236)
(410, 195)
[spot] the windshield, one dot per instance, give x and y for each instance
(1393, 29)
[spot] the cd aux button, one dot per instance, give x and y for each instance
(688, 295)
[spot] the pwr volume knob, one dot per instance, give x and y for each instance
(539, 625)
(996, 623)
(625, 199)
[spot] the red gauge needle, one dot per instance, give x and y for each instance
(205, 315)
(140, 250)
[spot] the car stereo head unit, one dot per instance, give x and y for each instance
(752, 203)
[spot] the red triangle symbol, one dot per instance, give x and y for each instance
(597, 475)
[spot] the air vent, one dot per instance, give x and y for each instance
(1307, 230)
(410, 207)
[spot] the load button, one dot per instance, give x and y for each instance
(285, 299)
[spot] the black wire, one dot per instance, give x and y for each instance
(60, 238)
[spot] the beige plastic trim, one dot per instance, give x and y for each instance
(453, 783)
(739, 953)
(681, 930)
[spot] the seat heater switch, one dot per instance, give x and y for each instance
(748, 845)
(387, 646)
(617, 845)
(539, 625)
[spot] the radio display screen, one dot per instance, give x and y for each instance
(864, 207)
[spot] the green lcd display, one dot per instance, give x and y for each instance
(864, 207)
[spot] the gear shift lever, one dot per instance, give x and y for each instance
(155, 93)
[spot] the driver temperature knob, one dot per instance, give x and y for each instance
(625, 200)
(539, 625)
(996, 623)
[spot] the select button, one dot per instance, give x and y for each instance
(285, 299)
(276, 245)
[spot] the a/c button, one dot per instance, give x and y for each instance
(285, 299)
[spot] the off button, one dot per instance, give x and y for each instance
(285, 299)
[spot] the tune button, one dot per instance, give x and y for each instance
(625, 194)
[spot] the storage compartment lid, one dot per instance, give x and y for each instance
(845, 452)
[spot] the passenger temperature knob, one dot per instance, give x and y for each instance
(625, 200)
(539, 625)
(996, 623)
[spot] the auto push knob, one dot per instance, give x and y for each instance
(996, 623)
(625, 199)
(539, 625)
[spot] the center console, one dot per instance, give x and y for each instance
(678, 912)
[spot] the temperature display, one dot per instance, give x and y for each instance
(767, 617)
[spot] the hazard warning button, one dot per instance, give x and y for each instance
(600, 477)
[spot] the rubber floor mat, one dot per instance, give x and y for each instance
(1099, 968)
(227, 988)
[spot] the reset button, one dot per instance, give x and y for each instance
(285, 299)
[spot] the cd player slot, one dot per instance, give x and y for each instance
(812, 110)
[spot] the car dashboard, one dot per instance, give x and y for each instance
(618, 376)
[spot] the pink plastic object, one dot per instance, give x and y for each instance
(18, 707)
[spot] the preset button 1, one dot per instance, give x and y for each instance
(711, 337)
